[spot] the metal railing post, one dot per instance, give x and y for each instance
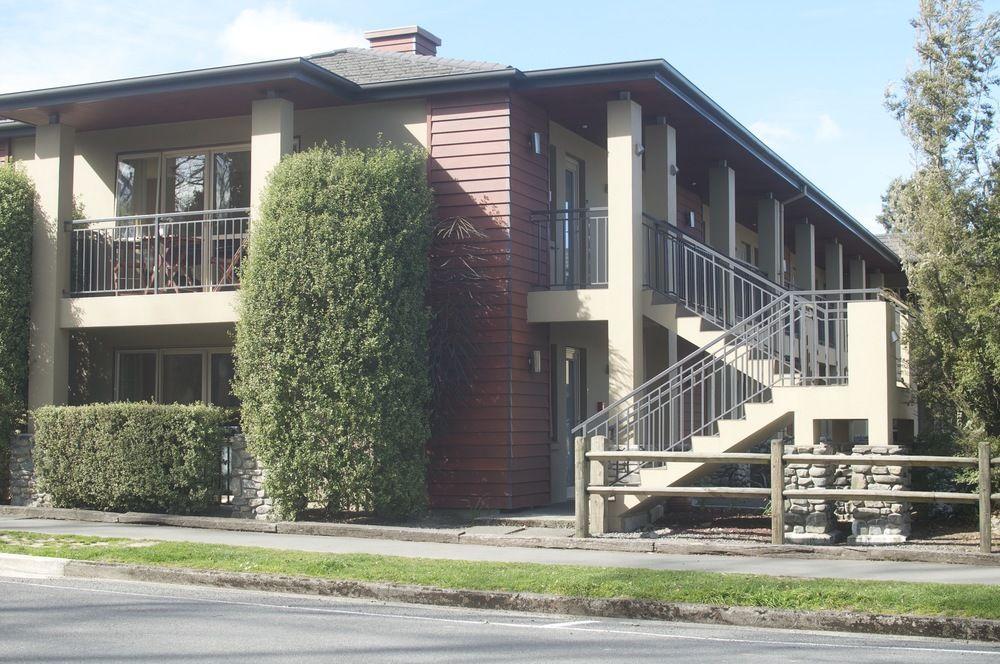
(156, 255)
(777, 492)
(985, 504)
(580, 487)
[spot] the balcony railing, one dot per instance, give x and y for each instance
(158, 253)
(572, 248)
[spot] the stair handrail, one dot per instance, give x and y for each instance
(701, 278)
(733, 334)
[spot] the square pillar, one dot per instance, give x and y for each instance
(770, 238)
(834, 254)
(871, 364)
(271, 135)
(52, 172)
(805, 256)
(625, 247)
(856, 274)
(659, 181)
(722, 209)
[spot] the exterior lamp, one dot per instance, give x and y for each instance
(536, 142)
(535, 361)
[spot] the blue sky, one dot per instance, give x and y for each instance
(807, 77)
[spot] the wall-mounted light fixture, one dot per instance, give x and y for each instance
(691, 219)
(535, 361)
(640, 149)
(673, 169)
(536, 142)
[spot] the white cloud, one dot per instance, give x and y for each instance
(772, 133)
(828, 129)
(279, 32)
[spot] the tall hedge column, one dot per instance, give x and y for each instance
(52, 171)
(271, 135)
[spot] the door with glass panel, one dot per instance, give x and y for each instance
(184, 376)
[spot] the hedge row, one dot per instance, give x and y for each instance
(125, 457)
(17, 199)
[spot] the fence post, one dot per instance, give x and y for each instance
(777, 492)
(580, 487)
(598, 477)
(985, 506)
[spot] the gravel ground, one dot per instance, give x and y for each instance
(751, 530)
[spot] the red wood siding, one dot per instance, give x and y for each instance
(689, 201)
(495, 451)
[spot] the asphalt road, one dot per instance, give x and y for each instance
(57, 620)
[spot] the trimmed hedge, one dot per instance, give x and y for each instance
(17, 201)
(331, 344)
(124, 457)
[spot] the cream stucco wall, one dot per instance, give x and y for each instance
(595, 158)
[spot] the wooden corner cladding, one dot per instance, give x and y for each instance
(495, 451)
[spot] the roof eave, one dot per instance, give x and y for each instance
(294, 68)
(452, 83)
(671, 79)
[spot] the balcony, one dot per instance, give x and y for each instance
(177, 252)
(572, 248)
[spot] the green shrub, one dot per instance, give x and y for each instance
(129, 456)
(331, 343)
(17, 200)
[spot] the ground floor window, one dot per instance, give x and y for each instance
(176, 375)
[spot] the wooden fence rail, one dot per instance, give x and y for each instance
(598, 456)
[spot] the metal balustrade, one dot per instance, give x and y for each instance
(797, 339)
(572, 248)
(716, 287)
(158, 253)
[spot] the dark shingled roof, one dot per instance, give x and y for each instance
(364, 66)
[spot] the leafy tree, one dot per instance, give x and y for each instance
(17, 201)
(331, 343)
(946, 218)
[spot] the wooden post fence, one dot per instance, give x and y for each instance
(777, 492)
(592, 455)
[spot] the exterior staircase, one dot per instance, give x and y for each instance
(766, 356)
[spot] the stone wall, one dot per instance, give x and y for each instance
(248, 499)
(877, 521)
(807, 520)
(22, 474)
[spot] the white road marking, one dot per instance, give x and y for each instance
(459, 621)
(574, 623)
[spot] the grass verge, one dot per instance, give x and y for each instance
(972, 601)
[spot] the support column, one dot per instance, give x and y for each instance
(659, 181)
(834, 253)
(271, 134)
(722, 209)
(856, 273)
(770, 237)
(625, 250)
(805, 256)
(52, 172)
(876, 279)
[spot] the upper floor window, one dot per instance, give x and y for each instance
(183, 181)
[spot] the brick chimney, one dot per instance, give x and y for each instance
(410, 39)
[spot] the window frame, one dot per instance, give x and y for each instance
(164, 154)
(206, 353)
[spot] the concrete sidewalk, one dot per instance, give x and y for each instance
(792, 567)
